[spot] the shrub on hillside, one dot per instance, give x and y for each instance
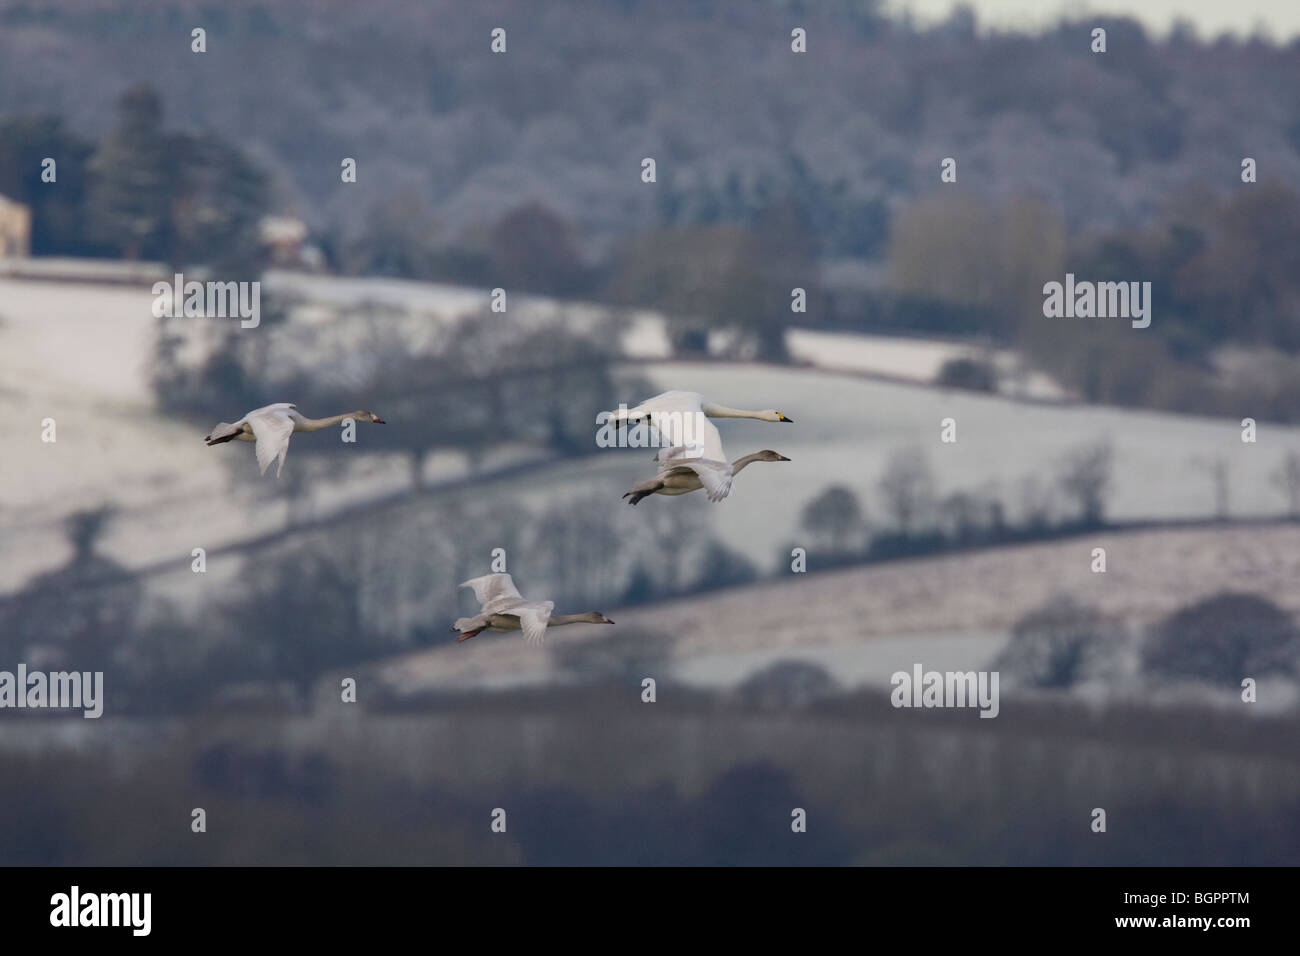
(970, 373)
(1061, 644)
(1222, 639)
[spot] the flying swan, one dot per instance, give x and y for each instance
(682, 419)
(694, 457)
(271, 427)
(504, 609)
(680, 474)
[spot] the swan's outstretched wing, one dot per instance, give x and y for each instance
(669, 457)
(680, 420)
(272, 427)
(715, 476)
(493, 590)
(228, 431)
(673, 401)
(533, 616)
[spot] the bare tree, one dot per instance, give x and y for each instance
(1085, 479)
(533, 248)
(1287, 477)
(626, 657)
(1061, 643)
(712, 277)
(965, 516)
(78, 614)
(787, 685)
(582, 547)
(908, 489)
(1224, 638)
(1035, 505)
(300, 616)
(1218, 471)
(834, 519)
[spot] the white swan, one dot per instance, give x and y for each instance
(682, 419)
(680, 474)
(504, 609)
(271, 427)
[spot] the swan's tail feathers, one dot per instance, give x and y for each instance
(643, 490)
(469, 626)
(223, 432)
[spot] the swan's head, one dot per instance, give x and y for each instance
(370, 417)
(772, 415)
(768, 455)
(595, 617)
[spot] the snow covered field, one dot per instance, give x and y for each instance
(951, 612)
(78, 353)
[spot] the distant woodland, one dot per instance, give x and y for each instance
(774, 169)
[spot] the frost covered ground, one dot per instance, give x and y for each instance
(952, 612)
(78, 353)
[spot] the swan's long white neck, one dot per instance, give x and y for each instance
(722, 411)
(305, 424)
(558, 620)
(740, 463)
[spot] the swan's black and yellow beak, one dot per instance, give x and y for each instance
(783, 418)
